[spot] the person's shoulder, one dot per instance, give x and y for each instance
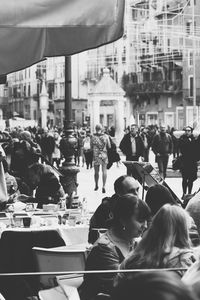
(104, 242)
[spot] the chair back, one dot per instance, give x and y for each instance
(54, 260)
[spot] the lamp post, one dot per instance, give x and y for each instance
(68, 142)
(194, 64)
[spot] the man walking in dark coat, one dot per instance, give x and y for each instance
(132, 147)
(188, 149)
(47, 144)
(162, 147)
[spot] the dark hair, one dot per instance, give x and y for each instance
(118, 184)
(188, 127)
(157, 196)
(157, 285)
(5, 165)
(126, 206)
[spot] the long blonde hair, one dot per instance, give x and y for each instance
(169, 228)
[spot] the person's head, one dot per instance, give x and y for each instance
(169, 228)
(88, 133)
(134, 129)
(144, 129)
(25, 135)
(156, 285)
(162, 129)
(126, 184)
(157, 196)
(129, 216)
(188, 130)
(98, 128)
(170, 225)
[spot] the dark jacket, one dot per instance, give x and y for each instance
(125, 146)
(23, 155)
(188, 149)
(162, 144)
(47, 144)
(103, 256)
(48, 190)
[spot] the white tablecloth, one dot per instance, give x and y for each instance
(71, 234)
(74, 235)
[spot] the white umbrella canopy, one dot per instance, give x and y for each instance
(31, 30)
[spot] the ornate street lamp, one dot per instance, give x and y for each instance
(68, 142)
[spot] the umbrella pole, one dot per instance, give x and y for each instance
(68, 142)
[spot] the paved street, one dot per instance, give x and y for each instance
(86, 183)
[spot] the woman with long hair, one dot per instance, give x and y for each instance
(159, 195)
(166, 244)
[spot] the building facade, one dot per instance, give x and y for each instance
(156, 62)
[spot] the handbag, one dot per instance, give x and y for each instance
(177, 163)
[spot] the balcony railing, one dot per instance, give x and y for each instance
(158, 58)
(172, 7)
(157, 87)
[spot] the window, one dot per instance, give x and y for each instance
(38, 88)
(169, 102)
(188, 28)
(191, 86)
(35, 114)
(190, 58)
(134, 14)
(29, 90)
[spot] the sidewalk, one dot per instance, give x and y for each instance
(85, 180)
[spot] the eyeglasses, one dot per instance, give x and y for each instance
(133, 191)
(187, 130)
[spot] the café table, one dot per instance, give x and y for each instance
(16, 245)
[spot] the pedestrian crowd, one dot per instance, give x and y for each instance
(185, 149)
(150, 247)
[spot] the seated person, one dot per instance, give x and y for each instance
(129, 217)
(24, 153)
(11, 182)
(122, 185)
(157, 196)
(46, 183)
(166, 243)
(152, 285)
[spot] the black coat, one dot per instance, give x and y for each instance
(125, 146)
(187, 147)
(162, 144)
(48, 190)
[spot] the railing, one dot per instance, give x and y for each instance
(164, 86)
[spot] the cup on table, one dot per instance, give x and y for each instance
(26, 221)
(17, 221)
(72, 220)
(31, 206)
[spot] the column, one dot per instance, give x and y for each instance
(94, 114)
(119, 115)
(44, 105)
